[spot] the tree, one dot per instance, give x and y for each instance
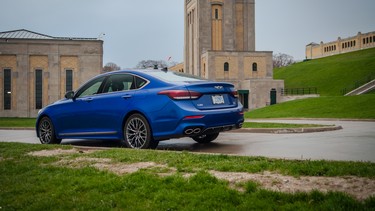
(144, 64)
(282, 60)
(110, 66)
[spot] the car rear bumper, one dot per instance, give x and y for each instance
(213, 121)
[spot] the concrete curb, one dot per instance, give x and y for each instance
(287, 130)
(313, 119)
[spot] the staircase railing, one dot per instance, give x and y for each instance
(299, 91)
(358, 83)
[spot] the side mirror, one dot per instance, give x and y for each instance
(69, 95)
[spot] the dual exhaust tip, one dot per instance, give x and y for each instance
(192, 131)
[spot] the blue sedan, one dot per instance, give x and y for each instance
(141, 108)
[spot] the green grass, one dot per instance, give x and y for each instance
(34, 183)
(357, 107)
(331, 74)
(17, 122)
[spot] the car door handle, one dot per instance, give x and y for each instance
(87, 100)
(126, 96)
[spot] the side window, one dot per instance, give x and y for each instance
(119, 82)
(139, 82)
(91, 88)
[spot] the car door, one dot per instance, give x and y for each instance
(112, 105)
(74, 117)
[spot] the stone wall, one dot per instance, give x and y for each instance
(355, 43)
(24, 56)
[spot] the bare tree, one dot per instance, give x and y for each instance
(144, 64)
(282, 60)
(110, 66)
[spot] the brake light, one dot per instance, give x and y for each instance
(194, 117)
(181, 94)
(234, 93)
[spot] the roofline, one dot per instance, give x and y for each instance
(52, 37)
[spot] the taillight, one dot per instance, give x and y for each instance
(234, 93)
(181, 94)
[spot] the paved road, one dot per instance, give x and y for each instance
(355, 142)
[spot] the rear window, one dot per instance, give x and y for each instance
(175, 77)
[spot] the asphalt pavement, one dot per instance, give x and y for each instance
(355, 142)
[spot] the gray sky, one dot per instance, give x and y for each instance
(149, 29)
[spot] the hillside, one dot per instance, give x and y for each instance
(349, 107)
(331, 74)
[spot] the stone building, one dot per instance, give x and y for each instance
(220, 45)
(355, 43)
(37, 69)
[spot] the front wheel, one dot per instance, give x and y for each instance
(137, 133)
(47, 132)
(207, 138)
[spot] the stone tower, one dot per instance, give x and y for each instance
(220, 45)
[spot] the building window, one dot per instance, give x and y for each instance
(354, 43)
(343, 45)
(38, 89)
(7, 89)
(370, 39)
(364, 40)
(226, 66)
(216, 14)
(255, 67)
(69, 81)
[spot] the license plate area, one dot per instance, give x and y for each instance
(217, 99)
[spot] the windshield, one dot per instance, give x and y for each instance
(175, 76)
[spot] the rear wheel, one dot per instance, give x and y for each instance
(137, 133)
(207, 138)
(47, 132)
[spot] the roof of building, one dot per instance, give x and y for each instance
(26, 34)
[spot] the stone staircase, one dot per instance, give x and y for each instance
(362, 89)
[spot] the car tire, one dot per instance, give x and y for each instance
(137, 133)
(46, 132)
(206, 138)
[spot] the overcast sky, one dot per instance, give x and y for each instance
(154, 29)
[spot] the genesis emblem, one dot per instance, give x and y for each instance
(218, 87)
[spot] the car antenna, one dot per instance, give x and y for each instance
(165, 69)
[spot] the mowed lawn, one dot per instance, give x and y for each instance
(61, 178)
(331, 74)
(350, 107)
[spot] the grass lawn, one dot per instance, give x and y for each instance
(44, 183)
(17, 122)
(356, 107)
(331, 74)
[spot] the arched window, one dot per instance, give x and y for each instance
(226, 66)
(255, 66)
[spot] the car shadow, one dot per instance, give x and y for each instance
(170, 145)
